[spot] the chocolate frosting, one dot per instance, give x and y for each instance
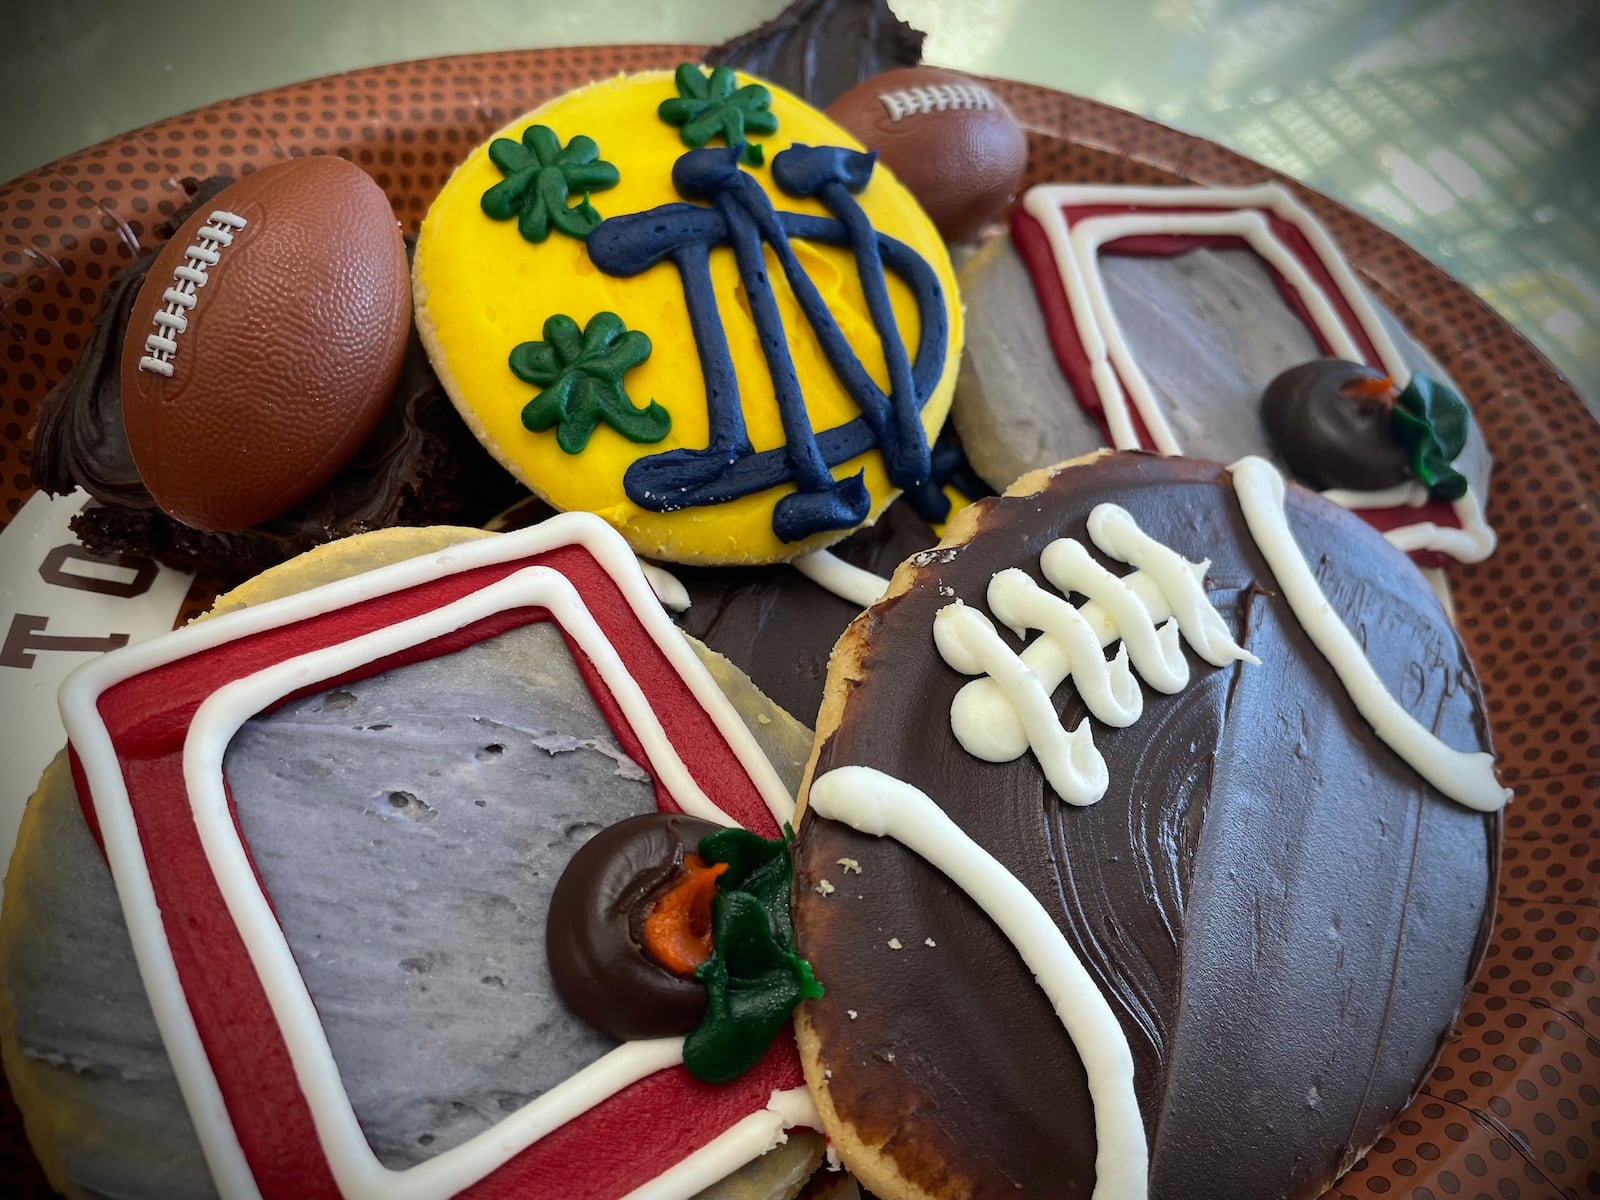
(80, 440)
(820, 49)
(421, 466)
(779, 627)
(1282, 913)
(1331, 437)
(594, 935)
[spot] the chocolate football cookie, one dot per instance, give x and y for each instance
(1188, 921)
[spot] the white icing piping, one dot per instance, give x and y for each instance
(1000, 717)
(1086, 239)
(938, 97)
(979, 712)
(833, 574)
(172, 319)
(746, 1140)
(124, 851)
(202, 1096)
(1076, 254)
(1467, 778)
(1072, 765)
(883, 806)
(668, 587)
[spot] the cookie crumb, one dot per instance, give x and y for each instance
(929, 942)
(894, 944)
(849, 864)
(823, 888)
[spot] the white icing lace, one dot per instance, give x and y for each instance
(937, 97)
(189, 277)
(1000, 717)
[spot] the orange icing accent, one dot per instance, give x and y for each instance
(677, 931)
(1368, 387)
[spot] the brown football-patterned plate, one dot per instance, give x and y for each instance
(1512, 1108)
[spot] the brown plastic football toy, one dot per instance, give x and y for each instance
(266, 342)
(947, 137)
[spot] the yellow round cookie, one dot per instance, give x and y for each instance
(483, 289)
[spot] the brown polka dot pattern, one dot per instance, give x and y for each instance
(1511, 1109)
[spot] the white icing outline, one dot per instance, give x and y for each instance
(1466, 777)
(190, 276)
(935, 97)
(876, 803)
(1115, 371)
(97, 756)
(750, 1137)
(846, 581)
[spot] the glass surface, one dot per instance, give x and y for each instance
(1470, 128)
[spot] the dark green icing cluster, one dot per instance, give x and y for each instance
(541, 176)
(709, 105)
(580, 375)
(1430, 422)
(753, 978)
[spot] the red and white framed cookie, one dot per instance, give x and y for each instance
(153, 732)
(1380, 405)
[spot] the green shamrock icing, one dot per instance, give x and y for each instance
(753, 978)
(1430, 422)
(540, 176)
(709, 104)
(581, 377)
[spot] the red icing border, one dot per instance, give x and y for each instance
(1034, 246)
(608, 1151)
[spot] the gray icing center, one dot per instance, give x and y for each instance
(409, 830)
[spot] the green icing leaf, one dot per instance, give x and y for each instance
(709, 106)
(1430, 422)
(753, 978)
(540, 178)
(580, 375)
(758, 866)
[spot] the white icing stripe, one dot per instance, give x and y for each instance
(124, 851)
(883, 806)
(1111, 361)
(1088, 235)
(1109, 690)
(1114, 530)
(361, 1176)
(1465, 777)
(746, 1140)
(833, 574)
(91, 740)
(1001, 717)
(1073, 767)
(668, 587)
(980, 712)
(1156, 654)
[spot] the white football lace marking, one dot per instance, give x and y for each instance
(1009, 711)
(938, 97)
(190, 275)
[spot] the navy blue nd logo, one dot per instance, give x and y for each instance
(738, 214)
